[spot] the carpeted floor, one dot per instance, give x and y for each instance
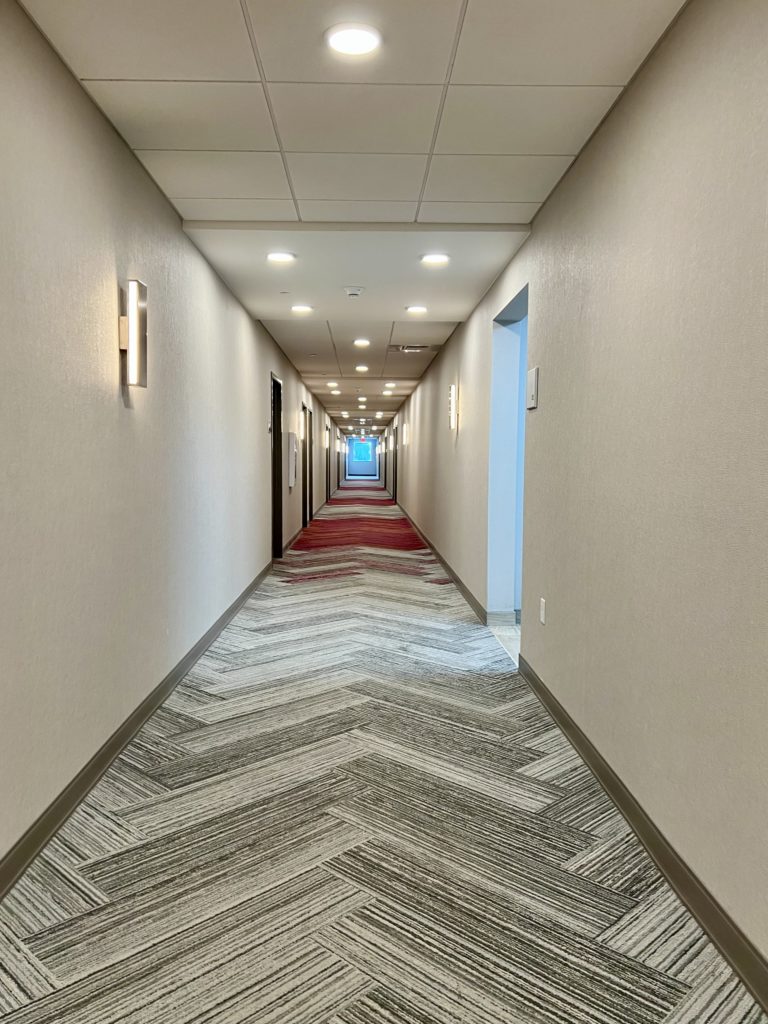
(354, 811)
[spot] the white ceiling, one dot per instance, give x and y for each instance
(384, 260)
(449, 138)
(480, 102)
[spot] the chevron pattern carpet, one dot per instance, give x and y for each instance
(354, 811)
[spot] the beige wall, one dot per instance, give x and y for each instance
(646, 492)
(125, 530)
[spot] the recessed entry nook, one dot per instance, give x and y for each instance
(506, 470)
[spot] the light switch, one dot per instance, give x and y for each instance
(532, 394)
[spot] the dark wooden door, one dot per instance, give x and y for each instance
(277, 468)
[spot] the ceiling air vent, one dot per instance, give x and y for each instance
(414, 348)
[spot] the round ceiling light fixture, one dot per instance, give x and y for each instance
(353, 40)
(332, 383)
(301, 308)
(390, 384)
(416, 310)
(362, 368)
(379, 415)
(335, 391)
(281, 257)
(345, 415)
(386, 392)
(361, 342)
(435, 259)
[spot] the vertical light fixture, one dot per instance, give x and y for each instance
(327, 437)
(133, 336)
(301, 425)
(453, 412)
(405, 434)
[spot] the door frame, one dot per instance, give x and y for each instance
(328, 441)
(307, 467)
(276, 452)
(395, 446)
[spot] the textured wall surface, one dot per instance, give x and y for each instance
(646, 491)
(126, 528)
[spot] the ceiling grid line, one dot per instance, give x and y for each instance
(441, 106)
(268, 100)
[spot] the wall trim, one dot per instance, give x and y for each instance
(294, 538)
(745, 959)
(24, 851)
(466, 593)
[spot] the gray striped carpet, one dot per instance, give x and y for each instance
(354, 811)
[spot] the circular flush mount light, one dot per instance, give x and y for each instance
(353, 40)
(301, 308)
(281, 257)
(332, 383)
(361, 342)
(435, 259)
(416, 310)
(345, 415)
(335, 391)
(386, 392)
(362, 368)
(390, 384)
(379, 415)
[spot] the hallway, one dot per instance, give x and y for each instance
(353, 810)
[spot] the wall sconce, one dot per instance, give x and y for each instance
(405, 434)
(383, 446)
(133, 335)
(327, 437)
(301, 425)
(453, 411)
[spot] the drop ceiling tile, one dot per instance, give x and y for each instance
(416, 40)
(236, 209)
(365, 211)
(522, 119)
(356, 176)
(560, 42)
(408, 364)
(409, 332)
(356, 118)
(187, 115)
(513, 179)
(174, 39)
(307, 343)
(210, 175)
(477, 213)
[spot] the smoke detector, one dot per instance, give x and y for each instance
(354, 291)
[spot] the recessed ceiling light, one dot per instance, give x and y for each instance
(300, 307)
(379, 415)
(390, 384)
(361, 342)
(335, 391)
(362, 368)
(353, 40)
(345, 415)
(416, 310)
(332, 383)
(386, 392)
(435, 259)
(281, 257)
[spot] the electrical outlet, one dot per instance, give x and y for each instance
(542, 611)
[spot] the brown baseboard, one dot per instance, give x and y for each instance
(295, 537)
(745, 959)
(466, 593)
(23, 852)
